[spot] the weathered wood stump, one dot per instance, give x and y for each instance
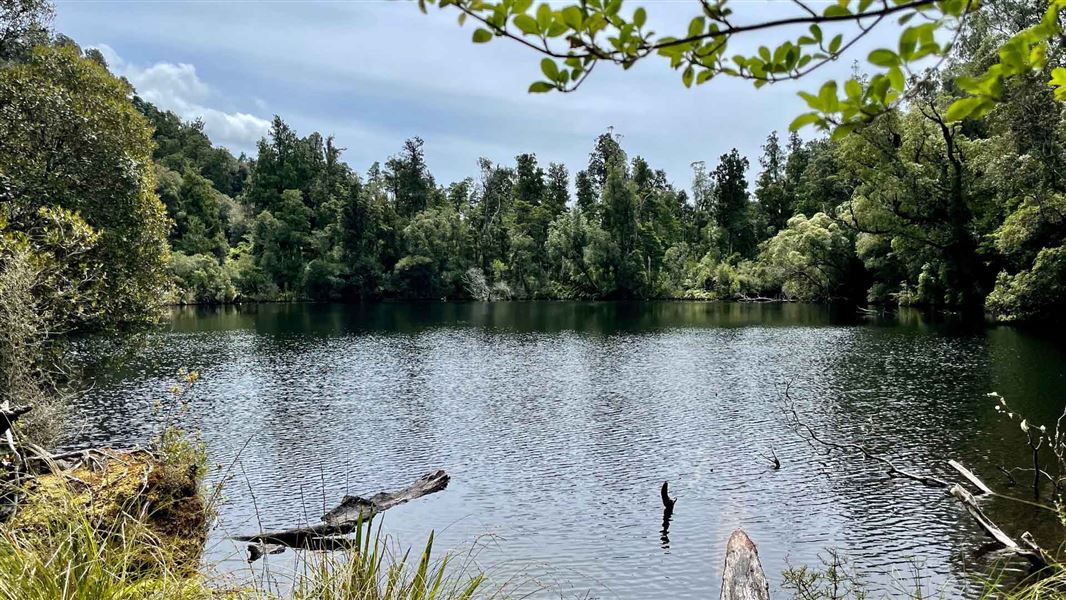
(743, 577)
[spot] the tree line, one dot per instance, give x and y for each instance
(114, 206)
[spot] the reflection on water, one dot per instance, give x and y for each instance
(560, 421)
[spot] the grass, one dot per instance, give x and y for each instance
(372, 571)
(69, 557)
(78, 543)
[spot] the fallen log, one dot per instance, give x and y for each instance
(743, 577)
(352, 512)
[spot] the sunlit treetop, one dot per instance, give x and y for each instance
(575, 38)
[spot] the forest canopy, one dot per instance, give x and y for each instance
(914, 207)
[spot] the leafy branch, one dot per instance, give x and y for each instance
(574, 38)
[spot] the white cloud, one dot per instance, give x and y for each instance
(177, 87)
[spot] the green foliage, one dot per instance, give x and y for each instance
(23, 24)
(811, 258)
(578, 251)
(574, 38)
(373, 571)
(435, 261)
(182, 147)
(1038, 292)
(70, 138)
(200, 279)
(913, 207)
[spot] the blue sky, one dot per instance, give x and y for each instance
(375, 72)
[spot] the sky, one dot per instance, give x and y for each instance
(373, 73)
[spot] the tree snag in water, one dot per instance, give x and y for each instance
(668, 513)
(743, 577)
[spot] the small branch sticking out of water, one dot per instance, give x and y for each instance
(775, 463)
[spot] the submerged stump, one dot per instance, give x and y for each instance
(743, 577)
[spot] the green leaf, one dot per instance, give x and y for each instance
(539, 87)
(482, 35)
(527, 24)
(803, 120)
(962, 108)
(883, 58)
(695, 27)
(544, 16)
(1038, 56)
(828, 97)
(812, 101)
(895, 78)
(521, 6)
(907, 43)
(835, 44)
(842, 131)
(1058, 77)
(573, 17)
(550, 69)
(816, 31)
(853, 89)
(687, 75)
(556, 29)
(639, 16)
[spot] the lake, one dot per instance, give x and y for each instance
(560, 421)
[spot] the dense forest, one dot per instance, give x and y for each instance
(120, 206)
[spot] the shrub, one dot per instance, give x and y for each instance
(1037, 293)
(199, 279)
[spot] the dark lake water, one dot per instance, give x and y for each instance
(559, 422)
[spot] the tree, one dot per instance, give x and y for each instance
(920, 191)
(23, 25)
(732, 207)
(361, 221)
(181, 146)
(71, 139)
(620, 223)
(812, 259)
(579, 252)
(49, 286)
(281, 239)
(703, 204)
(557, 198)
(775, 203)
(574, 38)
(408, 178)
(605, 156)
(493, 202)
(435, 262)
(586, 193)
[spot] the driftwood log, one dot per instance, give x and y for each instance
(743, 577)
(352, 512)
